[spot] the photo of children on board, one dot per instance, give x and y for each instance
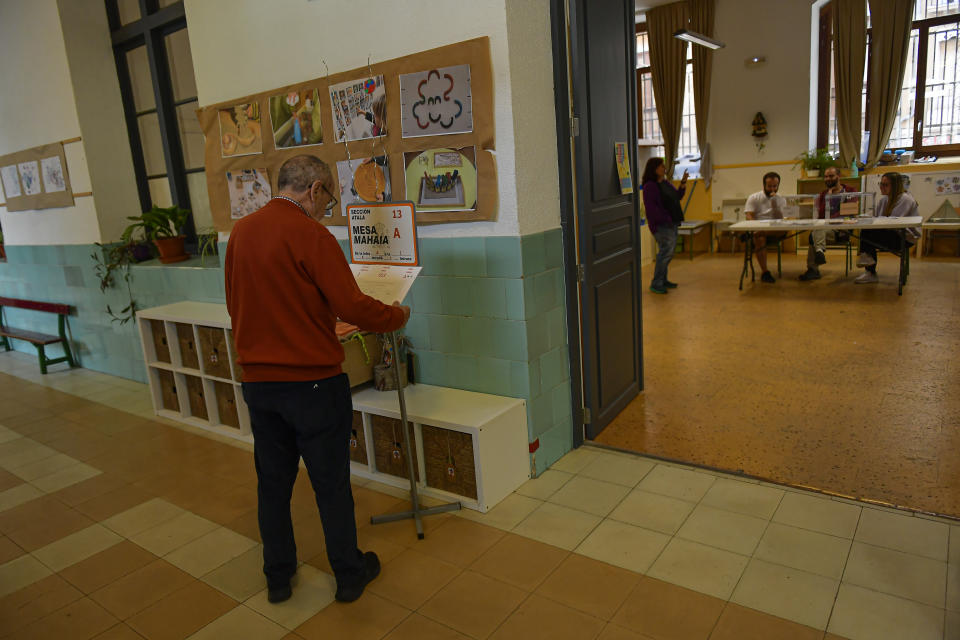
(249, 190)
(295, 118)
(240, 130)
(359, 109)
(364, 180)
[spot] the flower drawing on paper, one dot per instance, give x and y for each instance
(435, 105)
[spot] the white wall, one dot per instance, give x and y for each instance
(37, 107)
(780, 89)
(285, 41)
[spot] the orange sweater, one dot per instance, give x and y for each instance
(287, 282)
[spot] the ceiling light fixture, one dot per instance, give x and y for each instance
(697, 38)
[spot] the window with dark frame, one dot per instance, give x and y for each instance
(928, 116)
(158, 88)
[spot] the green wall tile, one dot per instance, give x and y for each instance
(541, 413)
(561, 400)
(534, 254)
(490, 297)
(425, 295)
(554, 368)
(513, 288)
(503, 257)
(417, 330)
(431, 367)
(445, 333)
(556, 328)
(462, 371)
(553, 248)
(469, 258)
(456, 296)
(520, 379)
(436, 256)
(494, 375)
(538, 339)
(479, 336)
(545, 290)
(510, 340)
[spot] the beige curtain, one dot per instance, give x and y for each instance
(668, 72)
(891, 21)
(849, 53)
(701, 21)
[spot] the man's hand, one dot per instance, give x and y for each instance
(406, 311)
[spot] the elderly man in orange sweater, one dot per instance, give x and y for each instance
(287, 282)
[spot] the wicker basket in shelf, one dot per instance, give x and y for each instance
(449, 461)
(188, 348)
(160, 345)
(389, 456)
(358, 442)
(226, 404)
(213, 349)
(168, 390)
(198, 404)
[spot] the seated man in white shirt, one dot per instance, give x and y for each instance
(766, 205)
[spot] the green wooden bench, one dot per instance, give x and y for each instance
(39, 340)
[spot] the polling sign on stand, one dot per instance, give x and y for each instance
(385, 263)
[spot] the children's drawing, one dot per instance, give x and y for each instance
(53, 175)
(240, 130)
(11, 181)
(359, 109)
(436, 102)
(249, 191)
(295, 117)
(30, 177)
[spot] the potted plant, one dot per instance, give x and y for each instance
(207, 243)
(815, 161)
(161, 225)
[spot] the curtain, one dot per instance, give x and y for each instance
(849, 52)
(701, 21)
(668, 66)
(891, 21)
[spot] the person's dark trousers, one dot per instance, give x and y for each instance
(872, 240)
(313, 420)
(666, 237)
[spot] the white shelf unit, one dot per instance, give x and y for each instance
(468, 447)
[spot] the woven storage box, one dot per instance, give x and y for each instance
(237, 370)
(448, 461)
(168, 390)
(160, 346)
(358, 441)
(213, 350)
(359, 369)
(198, 406)
(188, 349)
(226, 404)
(389, 456)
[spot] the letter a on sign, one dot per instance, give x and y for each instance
(396, 232)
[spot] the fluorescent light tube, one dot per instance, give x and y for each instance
(696, 38)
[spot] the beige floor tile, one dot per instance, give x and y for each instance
(412, 578)
(955, 544)
(418, 627)
(66, 477)
(953, 587)
(746, 498)
(510, 512)
(952, 626)
(369, 618)
(787, 593)
(897, 573)
(16, 496)
(677, 483)
(818, 513)
(21, 572)
(623, 545)
(593, 587)
(805, 550)
(544, 485)
(519, 561)
(240, 577)
(240, 623)
(618, 469)
(723, 529)
(652, 511)
(557, 525)
(173, 534)
(142, 517)
(76, 547)
(905, 533)
(23, 451)
(6, 435)
(589, 495)
(313, 590)
(698, 567)
(209, 551)
(44, 466)
(181, 613)
(576, 460)
(460, 541)
(539, 617)
(862, 614)
(473, 604)
(9, 550)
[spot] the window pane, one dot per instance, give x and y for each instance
(935, 8)
(149, 126)
(160, 192)
(643, 50)
(199, 201)
(650, 125)
(141, 82)
(181, 65)
(129, 11)
(688, 124)
(191, 137)
(941, 110)
(901, 137)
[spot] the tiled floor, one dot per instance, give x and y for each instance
(114, 525)
(821, 384)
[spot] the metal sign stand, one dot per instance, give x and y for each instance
(417, 512)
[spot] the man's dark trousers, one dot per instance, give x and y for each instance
(313, 420)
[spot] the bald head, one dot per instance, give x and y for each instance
(299, 172)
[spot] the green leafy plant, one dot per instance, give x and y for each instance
(206, 243)
(159, 222)
(108, 261)
(815, 160)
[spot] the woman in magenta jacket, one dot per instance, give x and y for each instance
(664, 215)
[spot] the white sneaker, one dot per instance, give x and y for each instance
(867, 277)
(864, 260)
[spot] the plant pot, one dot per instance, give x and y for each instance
(140, 252)
(171, 249)
(813, 173)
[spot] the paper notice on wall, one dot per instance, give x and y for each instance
(387, 283)
(11, 181)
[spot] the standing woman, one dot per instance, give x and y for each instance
(664, 215)
(895, 203)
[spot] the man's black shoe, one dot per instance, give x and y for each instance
(810, 274)
(671, 285)
(767, 277)
(371, 569)
(279, 594)
(819, 257)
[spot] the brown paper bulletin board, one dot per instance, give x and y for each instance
(42, 200)
(474, 52)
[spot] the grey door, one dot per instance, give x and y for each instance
(603, 79)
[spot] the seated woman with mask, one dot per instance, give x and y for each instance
(895, 203)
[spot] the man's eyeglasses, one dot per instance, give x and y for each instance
(333, 198)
